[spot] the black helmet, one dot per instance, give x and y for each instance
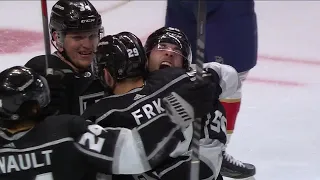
(172, 36)
(74, 15)
(20, 88)
(122, 55)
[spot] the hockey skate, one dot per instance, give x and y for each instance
(235, 169)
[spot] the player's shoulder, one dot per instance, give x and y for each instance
(109, 103)
(61, 120)
(66, 124)
(167, 74)
(40, 60)
(38, 63)
(171, 72)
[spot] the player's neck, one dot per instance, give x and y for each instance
(127, 85)
(67, 62)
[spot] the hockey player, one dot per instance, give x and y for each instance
(122, 64)
(40, 147)
(75, 27)
(170, 47)
(231, 38)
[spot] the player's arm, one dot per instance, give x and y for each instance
(94, 111)
(124, 151)
(57, 83)
(213, 139)
(37, 63)
(202, 97)
(149, 144)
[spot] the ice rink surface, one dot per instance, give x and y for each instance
(277, 129)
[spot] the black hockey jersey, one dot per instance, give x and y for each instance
(142, 105)
(67, 147)
(74, 92)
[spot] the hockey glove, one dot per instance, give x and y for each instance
(215, 78)
(57, 91)
(189, 101)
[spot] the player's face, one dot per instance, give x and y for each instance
(165, 55)
(80, 47)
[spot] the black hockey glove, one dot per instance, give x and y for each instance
(57, 91)
(191, 100)
(214, 77)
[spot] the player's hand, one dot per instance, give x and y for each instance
(214, 69)
(57, 89)
(215, 78)
(189, 101)
(179, 110)
(199, 94)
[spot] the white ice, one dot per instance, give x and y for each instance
(277, 129)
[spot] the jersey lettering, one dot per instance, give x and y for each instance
(20, 162)
(149, 111)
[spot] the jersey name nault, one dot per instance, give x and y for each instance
(149, 111)
(20, 162)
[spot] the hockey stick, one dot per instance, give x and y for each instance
(195, 143)
(46, 34)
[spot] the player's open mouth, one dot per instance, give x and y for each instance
(165, 64)
(88, 53)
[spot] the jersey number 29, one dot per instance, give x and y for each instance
(133, 52)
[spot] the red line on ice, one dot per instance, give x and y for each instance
(264, 57)
(274, 82)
